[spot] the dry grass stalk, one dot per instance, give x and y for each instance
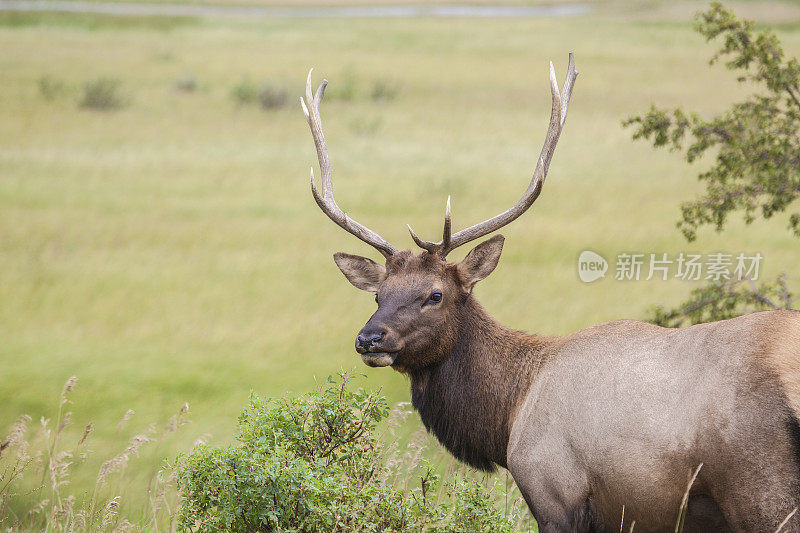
(202, 440)
(69, 386)
(117, 463)
(48, 505)
(685, 500)
(17, 434)
(125, 418)
(391, 452)
(786, 520)
(110, 512)
(86, 431)
(177, 420)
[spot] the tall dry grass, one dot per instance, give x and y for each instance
(38, 462)
(37, 465)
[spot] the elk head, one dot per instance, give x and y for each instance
(422, 298)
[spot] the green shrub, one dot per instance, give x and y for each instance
(755, 168)
(314, 463)
(268, 96)
(754, 142)
(50, 87)
(102, 94)
(723, 299)
(244, 92)
(271, 97)
(186, 83)
(384, 90)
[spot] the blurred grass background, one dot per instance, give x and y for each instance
(170, 250)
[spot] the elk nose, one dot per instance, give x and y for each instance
(366, 339)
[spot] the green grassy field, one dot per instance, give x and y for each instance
(320, 3)
(171, 251)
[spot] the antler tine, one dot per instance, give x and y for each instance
(325, 200)
(558, 116)
(569, 82)
(435, 247)
(446, 230)
(425, 245)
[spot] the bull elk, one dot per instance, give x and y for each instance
(616, 416)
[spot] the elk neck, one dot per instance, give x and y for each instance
(469, 401)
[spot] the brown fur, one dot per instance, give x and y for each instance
(781, 348)
(469, 400)
(614, 415)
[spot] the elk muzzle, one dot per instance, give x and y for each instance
(375, 348)
(365, 341)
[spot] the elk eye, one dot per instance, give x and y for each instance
(435, 297)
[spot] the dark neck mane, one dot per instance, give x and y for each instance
(469, 401)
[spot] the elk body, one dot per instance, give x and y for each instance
(618, 415)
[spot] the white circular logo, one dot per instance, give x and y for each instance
(591, 266)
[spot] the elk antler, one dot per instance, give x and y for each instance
(558, 115)
(325, 201)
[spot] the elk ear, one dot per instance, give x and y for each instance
(480, 262)
(364, 273)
